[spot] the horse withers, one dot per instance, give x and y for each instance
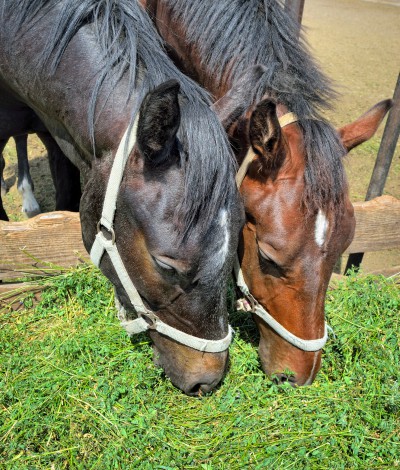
(160, 212)
(299, 219)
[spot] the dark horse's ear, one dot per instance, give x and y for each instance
(265, 134)
(158, 124)
(234, 103)
(365, 126)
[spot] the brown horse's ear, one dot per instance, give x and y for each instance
(235, 102)
(265, 134)
(365, 126)
(158, 124)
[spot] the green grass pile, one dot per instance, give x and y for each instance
(75, 393)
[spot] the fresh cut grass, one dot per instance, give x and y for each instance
(76, 393)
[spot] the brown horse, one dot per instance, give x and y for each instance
(160, 211)
(299, 218)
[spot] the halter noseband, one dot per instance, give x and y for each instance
(147, 319)
(249, 303)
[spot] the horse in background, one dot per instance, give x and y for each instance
(30, 206)
(160, 212)
(270, 95)
(16, 120)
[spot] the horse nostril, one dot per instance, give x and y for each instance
(194, 391)
(283, 378)
(199, 389)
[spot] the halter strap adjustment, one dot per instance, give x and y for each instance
(139, 325)
(250, 304)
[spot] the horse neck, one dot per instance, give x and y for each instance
(62, 99)
(186, 58)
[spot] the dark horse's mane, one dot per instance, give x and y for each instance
(233, 35)
(131, 47)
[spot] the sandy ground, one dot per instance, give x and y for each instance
(357, 43)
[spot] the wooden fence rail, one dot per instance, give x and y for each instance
(55, 237)
(26, 247)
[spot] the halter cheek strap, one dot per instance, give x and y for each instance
(147, 320)
(249, 303)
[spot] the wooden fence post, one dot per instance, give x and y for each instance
(382, 163)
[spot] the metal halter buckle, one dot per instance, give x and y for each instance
(110, 231)
(243, 305)
(151, 318)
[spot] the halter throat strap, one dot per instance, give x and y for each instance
(249, 303)
(147, 319)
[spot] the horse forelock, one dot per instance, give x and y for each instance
(233, 35)
(130, 47)
(209, 169)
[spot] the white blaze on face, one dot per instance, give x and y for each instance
(321, 227)
(309, 380)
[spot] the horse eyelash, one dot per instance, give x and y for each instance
(264, 257)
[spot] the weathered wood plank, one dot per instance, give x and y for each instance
(387, 272)
(378, 225)
(54, 237)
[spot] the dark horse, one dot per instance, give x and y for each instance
(299, 218)
(160, 211)
(30, 206)
(16, 120)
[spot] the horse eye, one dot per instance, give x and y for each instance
(164, 265)
(265, 257)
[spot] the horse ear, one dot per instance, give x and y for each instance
(234, 103)
(159, 121)
(365, 126)
(265, 133)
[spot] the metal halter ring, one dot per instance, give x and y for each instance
(109, 231)
(151, 319)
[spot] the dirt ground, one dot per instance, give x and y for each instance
(357, 43)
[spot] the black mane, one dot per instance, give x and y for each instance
(233, 35)
(131, 47)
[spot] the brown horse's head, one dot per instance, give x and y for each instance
(299, 219)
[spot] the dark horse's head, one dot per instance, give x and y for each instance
(176, 250)
(160, 210)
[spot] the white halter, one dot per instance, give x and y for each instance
(249, 303)
(146, 318)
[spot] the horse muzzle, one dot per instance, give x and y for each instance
(194, 372)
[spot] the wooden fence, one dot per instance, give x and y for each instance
(55, 237)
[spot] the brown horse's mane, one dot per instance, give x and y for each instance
(233, 35)
(130, 47)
